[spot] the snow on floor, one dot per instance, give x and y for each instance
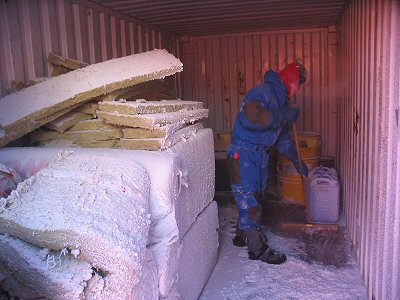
(237, 277)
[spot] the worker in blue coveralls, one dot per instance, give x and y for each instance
(263, 120)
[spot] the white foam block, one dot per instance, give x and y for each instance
(196, 156)
(199, 253)
(196, 159)
(166, 255)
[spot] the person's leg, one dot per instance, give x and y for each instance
(255, 212)
(256, 184)
(245, 184)
(259, 249)
(244, 169)
(239, 240)
(251, 233)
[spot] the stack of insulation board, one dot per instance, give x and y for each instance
(152, 125)
(182, 242)
(77, 229)
(79, 127)
(30, 108)
(139, 125)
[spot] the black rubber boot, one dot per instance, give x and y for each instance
(239, 239)
(259, 249)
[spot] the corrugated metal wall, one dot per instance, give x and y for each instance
(357, 113)
(218, 70)
(30, 29)
(368, 139)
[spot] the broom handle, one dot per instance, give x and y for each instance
(302, 178)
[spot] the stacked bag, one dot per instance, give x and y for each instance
(178, 246)
(77, 230)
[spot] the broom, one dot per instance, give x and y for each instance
(308, 225)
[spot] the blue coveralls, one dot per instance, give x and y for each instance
(250, 145)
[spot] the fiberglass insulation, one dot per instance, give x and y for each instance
(94, 205)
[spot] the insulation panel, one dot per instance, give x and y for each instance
(66, 90)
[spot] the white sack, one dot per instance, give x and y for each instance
(97, 204)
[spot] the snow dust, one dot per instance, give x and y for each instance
(237, 277)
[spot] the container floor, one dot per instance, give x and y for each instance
(320, 264)
(325, 246)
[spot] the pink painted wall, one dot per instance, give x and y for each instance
(352, 97)
(29, 30)
(368, 139)
(219, 70)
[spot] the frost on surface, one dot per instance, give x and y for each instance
(95, 203)
(28, 272)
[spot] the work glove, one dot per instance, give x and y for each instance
(300, 167)
(284, 115)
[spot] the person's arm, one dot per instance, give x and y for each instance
(286, 147)
(257, 114)
(255, 117)
(258, 117)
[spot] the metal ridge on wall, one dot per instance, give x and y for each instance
(368, 140)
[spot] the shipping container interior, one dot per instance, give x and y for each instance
(351, 49)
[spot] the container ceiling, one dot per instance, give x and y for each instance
(208, 17)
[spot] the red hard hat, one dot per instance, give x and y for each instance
(293, 75)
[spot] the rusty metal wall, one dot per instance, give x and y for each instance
(368, 139)
(218, 70)
(30, 29)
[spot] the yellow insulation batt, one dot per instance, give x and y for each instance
(30, 108)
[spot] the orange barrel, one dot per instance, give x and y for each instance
(309, 144)
(290, 190)
(289, 183)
